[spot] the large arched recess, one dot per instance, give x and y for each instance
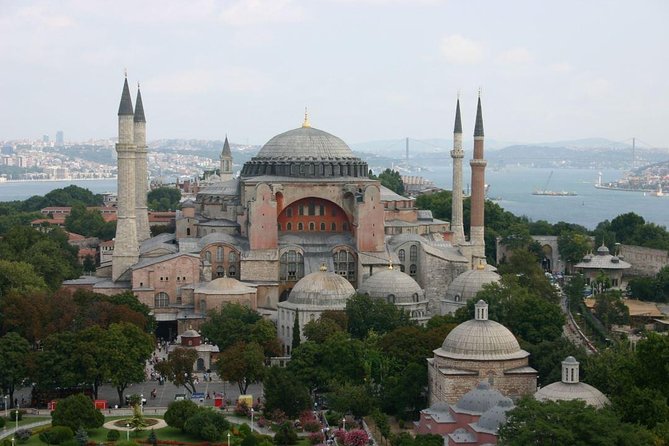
(313, 214)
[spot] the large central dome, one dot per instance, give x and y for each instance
(305, 143)
(305, 152)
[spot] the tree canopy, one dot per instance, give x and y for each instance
(164, 199)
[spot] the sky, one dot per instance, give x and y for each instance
(366, 69)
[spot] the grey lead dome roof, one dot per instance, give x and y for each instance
(561, 391)
(480, 399)
(468, 284)
(305, 152)
(321, 289)
(306, 143)
(383, 283)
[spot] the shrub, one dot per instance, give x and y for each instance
(81, 436)
(13, 413)
(180, 411)
(249, 440)
(56, 435)
(113, 435)
(207, 425)
(356, 437)
(316, 437)
(278, 416)
(242, 409)
(152, 438)
(23, 435)
(77, 411)
(285, 435)
(334, 418)
(244, 429)
(2, 422)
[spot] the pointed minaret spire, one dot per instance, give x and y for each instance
(478, 128)
(226, 148)
(139, 107)
(458, 122)
(125, 108)
(457, 154)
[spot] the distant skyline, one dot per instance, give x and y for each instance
(366, 69)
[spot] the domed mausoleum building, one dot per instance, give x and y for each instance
(400, 289)
(603, 262)
(475, 350)
(313, 294)
(466, 286)
(570, 388)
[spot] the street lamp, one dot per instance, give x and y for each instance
(228, 438)
(343, 420)
(16, 416)
(5, 397)
(141, 403)
(252, 419)
(127, 431)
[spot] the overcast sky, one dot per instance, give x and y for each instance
(366, 69)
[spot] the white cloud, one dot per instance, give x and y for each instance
(259, 12)
(460, 50)
(562, 67)
(515, 56)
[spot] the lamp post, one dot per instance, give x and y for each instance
(252, 419)
(5, 397)
(16, 416)
(228, 438)
(141, 404)
(127, 431)
(343, 420)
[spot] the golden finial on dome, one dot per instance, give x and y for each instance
(481, 265)
(323, 268)
(306, 123)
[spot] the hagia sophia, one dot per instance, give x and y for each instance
(303, 207)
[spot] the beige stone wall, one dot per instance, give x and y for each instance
(175, 273)
(644, 261)
(435, 276)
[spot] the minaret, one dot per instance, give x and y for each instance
(126, 248)
(226, 161)
(141, 171)
(457, 154)
(476, 232)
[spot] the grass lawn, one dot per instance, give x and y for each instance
(26, 420)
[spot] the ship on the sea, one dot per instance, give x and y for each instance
(552, 193)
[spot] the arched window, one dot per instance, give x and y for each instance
(412, 270)
(289, 226)
(187, 231)
(344, 264)
(232, 271)
(161, 300)
(415, 297)
(413, 253)
(333, 227)
(301, 209)
(402, 255)
(232, 257)
(312, 226)
(219, 254)
(402, 268)
(291, 266)
(300, 226)
(207, 256)
(322, 226)
(391, 298)
(220, 272)
(457, 298)
(203, 306)
(312, 208)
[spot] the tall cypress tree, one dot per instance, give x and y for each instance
(296, 331)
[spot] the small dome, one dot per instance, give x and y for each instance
(602, 250)
(561, 391)
(187, 204)
(481, 339)
(322, 288)
(479, 399)
(441, 407)
(468, 284)
(190, 333)
(394, 282)
(494, 417)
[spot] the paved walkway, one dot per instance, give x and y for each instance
(10, 432)
(112, 425)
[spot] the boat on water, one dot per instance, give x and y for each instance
(552, 193)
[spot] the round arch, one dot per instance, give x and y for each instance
(313, 214)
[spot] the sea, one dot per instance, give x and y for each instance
(509, 187)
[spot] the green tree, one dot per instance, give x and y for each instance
(207, 425)
(350, 398)
(366, 314)
(403, 394)
(546, 357)
(14, 354)
(321, 329)
(392, 180)
(128, 348)
(567, 423)
(653, 357)
(242, 363)
(77, 411)
(86, 222)
(625, 225)
(573, 246)
(19, 276)
(610, 308)
(164, 199)
(178, 367)
(285, 393)
(233, 323)
(179, 411)
(285, 435)
(297, 333)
